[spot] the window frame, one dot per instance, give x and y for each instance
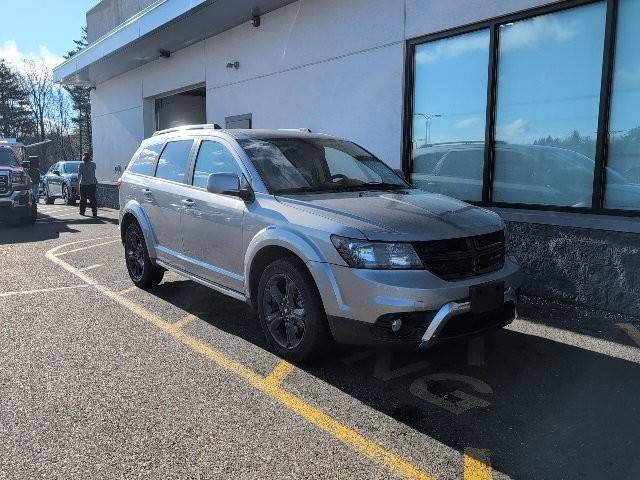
(606, 84)
(196, 151)
(188, 164)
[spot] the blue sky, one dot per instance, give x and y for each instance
(40, 28)
(548, 84)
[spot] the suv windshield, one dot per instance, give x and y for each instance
(301, 165)
(7, 158)
(70, 167)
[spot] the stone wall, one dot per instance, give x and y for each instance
(107, 195)
(594, 268)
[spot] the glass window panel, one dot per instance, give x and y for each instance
(145, 162)
(173, 161)
(549, 75)
(448, 126)
(622, 190)
(213, 157)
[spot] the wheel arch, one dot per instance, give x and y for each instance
(133, 212)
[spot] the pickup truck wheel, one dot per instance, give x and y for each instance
(47, 199)
(141, 270)
(291, 312)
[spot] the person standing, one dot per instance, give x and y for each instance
(87, 181)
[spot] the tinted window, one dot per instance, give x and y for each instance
(145, 162)
(290, 165)
(549, 75)
(463, 164)
(213, 157)
(174, 161)
(623, 174)
(450, 108)
(7, 158)
(70, 167)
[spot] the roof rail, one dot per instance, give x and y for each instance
(304, 130)
(206, 126)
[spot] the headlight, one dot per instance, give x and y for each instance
(377, 255)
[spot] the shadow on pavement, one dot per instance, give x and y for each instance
(543, 408)
(47, 228)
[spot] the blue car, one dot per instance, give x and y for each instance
(61, 181)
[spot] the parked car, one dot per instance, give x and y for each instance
(529, 174)
(61, 181)
(17, 204)
(321, 237)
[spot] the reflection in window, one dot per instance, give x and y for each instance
(547, 107)
(448, 127)
(622, 188)
(173, 161)
(145, 162)
(213, 157)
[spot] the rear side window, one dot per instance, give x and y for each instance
(213, 157)
(174, 161)
(145, 162)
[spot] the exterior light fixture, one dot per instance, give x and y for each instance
(255, 21)
(164, 53)
(235, 65)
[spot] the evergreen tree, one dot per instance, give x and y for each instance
(16, 117)
(81, 101)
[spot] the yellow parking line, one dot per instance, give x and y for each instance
(315, 416)
(477, 464)
(127, 290)
(282, 371)
(180, 324)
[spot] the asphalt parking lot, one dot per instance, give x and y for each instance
(102, 380)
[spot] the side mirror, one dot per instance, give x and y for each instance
(56, 172)
(228, 184)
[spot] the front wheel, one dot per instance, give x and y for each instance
(291, 311)
(67, 197)
(142, 271)
(47, 199)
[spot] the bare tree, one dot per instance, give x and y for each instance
(37, 82)
(60, 124)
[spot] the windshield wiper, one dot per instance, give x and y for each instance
(376, 186)
(316, 189)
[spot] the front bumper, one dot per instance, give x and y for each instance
(361, 304)
(16, 204)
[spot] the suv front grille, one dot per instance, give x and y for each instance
(458, 258)
(4, 183)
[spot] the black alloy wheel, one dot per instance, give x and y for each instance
(284, 310)
(141, 270)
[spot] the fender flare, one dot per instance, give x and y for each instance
(279, 236)
(134, 208)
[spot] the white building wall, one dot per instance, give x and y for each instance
(335, 66)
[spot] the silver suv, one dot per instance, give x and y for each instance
(323, 239)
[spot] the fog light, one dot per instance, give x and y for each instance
(396, 325)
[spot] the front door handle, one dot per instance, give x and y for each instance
(187, 202)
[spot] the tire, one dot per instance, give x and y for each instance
(47, 199)
(291, 312)
(142, 271)
(68, 199)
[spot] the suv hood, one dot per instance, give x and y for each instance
(403, 216)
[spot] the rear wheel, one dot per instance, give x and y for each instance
(291, 311)
(141, 270)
